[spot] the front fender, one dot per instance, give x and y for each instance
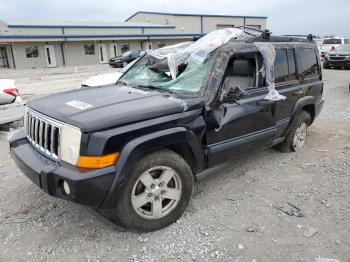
(134, 149)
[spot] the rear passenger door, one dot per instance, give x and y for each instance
(288, 84)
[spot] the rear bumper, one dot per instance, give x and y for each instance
(87, 187)
(116, 64)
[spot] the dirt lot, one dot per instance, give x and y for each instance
(233, 214)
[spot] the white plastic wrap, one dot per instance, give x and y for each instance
(189, 52)
(268, 52)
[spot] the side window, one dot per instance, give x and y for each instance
(241, 72)
(291, 65)
(308, 62)
(281, 66)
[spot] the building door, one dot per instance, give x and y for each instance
(3, 58)
(102, 51)
(148, 45)
(50, 56)
(114, 50)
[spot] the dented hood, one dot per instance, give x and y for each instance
(109, 106)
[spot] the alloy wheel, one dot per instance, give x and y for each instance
(157, 192)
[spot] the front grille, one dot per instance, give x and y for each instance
(43, 133)
(337, 58)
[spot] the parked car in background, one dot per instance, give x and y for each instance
(11, 104)
(106, 79)
(339, 58)
(331, 44)
(126, 58)
(8, 91)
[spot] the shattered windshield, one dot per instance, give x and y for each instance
(150, 73)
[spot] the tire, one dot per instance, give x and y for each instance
(131, 210)
(302, 121)
(325, 66)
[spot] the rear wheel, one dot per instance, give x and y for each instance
(157, 192)
(296, 137)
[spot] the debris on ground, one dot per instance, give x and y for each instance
(321, 259)
(310, 232)
(291, 210)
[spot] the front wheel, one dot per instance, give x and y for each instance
(296, 137)
(157, 192)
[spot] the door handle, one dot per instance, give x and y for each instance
(298, 93)
(265, 102)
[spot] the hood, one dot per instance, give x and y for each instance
(98, 108)
(102, 79)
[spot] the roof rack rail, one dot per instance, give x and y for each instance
(265, 34)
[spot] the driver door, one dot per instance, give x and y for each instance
(244, 124)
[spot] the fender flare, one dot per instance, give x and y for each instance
(302, 102)
(143, 144)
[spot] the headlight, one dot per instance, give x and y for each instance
(70, 144)
(347, 58)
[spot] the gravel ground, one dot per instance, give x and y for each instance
(235, 215)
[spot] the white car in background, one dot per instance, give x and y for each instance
(11, 104)
(331, 44)
(102, 79)
(106, 79)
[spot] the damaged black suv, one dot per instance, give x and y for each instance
(133, 150)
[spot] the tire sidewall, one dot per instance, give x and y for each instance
(303, 117)
(125, 210)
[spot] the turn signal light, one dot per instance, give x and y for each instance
(97, 161)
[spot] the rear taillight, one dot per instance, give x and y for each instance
(12, 92)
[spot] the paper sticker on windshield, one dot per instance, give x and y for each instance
(78, 104)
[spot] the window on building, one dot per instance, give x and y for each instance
(32, 51)
(89, 49)
(223, 26)
(309, 62)
(254, 26)
(124, 48)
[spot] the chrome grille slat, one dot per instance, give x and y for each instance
(43, 132)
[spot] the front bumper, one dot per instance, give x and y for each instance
(87, 186)
(337, 63)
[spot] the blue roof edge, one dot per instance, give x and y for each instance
(209, 15)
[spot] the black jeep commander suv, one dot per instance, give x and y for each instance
(133, 150)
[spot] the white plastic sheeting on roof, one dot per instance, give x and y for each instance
(188, 52)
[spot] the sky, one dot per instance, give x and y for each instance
(320, 17)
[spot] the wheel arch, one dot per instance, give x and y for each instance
(179, 139)
(306, 103)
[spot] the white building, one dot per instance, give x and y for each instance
(38, 44)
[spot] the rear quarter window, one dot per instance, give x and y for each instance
(308, 61)
(285, 68)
